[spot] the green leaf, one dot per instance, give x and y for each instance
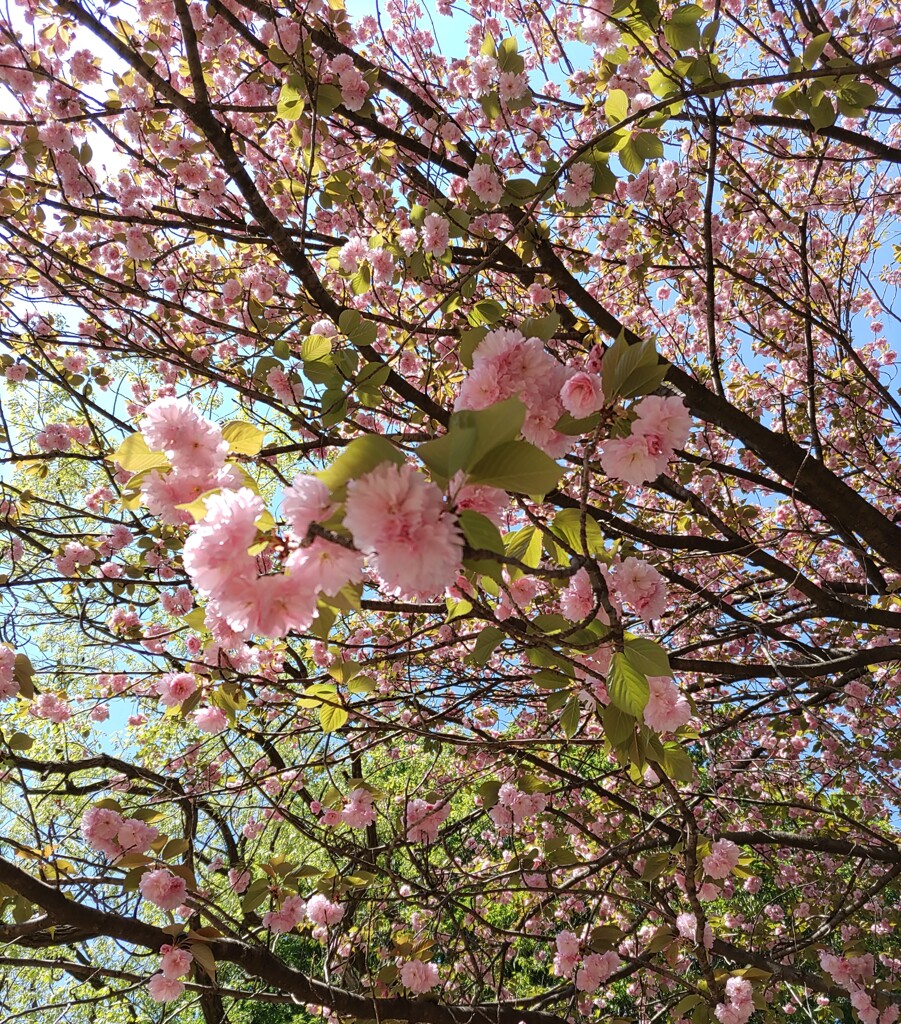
(647, 657)
(822, 113)
(359, 332)
(648, 145)
(619, 727)
(681, 28)
(332, 717)
(567, 526)
(628, 688)
(315, 347)
(20, 741)
(358, 458)
(616, 106)
(631, 370)
(480, 532)
(291, 99)
(23, 673)
(361, 684)
(328, 98)
(469, 342)
(485, 645)
(485, 312)
(677, 763)
(630, 158)
(519, 467)
(543, 328)
(451, 452)
(134, 455)
(494, 426)
(569, 720)
(548, 680)
(814, 49)
(525, 546)
(243, 438)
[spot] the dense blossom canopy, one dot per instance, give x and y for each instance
(449, 512)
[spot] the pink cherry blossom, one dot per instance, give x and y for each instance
(162, 888)
(582, 394)
(175, 962)
(667, 709)
(721, 860)
(306, 501)
(640, 587)
(424, 819)
(486, 183)
(286, 917)
(210, 719)
(596, 969)
(175, 687)
(398, 519)
(321, 910)
(418, 976)
(163, 990)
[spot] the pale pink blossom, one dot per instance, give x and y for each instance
(582, 394)
(287, 917)
(721, 860)
(210, 719)
(424, 819)
(162, 888)
(667, 708)
(175, 962)
(435, 234)
(641, 587)
(486, 184)
(321, 910)
(418, 976)
(175, 687)
(596, 969)
(163, 990)
(398, 519)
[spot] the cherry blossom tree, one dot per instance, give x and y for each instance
(450, 511)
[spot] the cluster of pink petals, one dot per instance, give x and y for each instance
(740, 1002)
(418, 976)
(163, 990)
(321, 910)
(424, 819)
(661, 426)
(175, 962)
(486, 183)
(515, 807)
(175, 687)
(568, 953)
(722, 859)
(508, 365)
(196, 451)
(596, 969)
(578, 599)
(397, 518)
(582, 394)
(687, 927)
(51, 708)
(640, 587)
(9, 685)
(210, 719)
(217, 558)
(667, 708)
(108, 832)
(359, 811)
(163, 889)
(852, 973)
(287, 917)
